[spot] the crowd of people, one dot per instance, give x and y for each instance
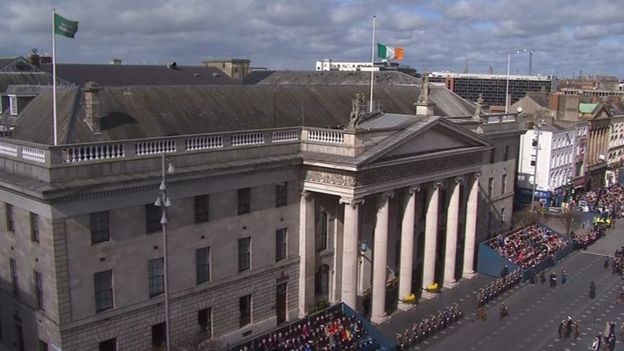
(528, 246)
(497, 287)
(583, 241)
(328, 331)
(423, 329)
(607, 200)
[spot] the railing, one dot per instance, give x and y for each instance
(8, 149)
(92, 153)
(203, 143)
(125, 149)
(326, 136)
(154, 147)
(505, 118)
(280, 136)
(33, 154)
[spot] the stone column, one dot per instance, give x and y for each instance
(450, 251)
(407, 247)
(431, 237)
(380, 258)
(471, 226)
(306, 253)
(350, 251)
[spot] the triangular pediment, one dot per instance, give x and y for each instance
(438, 136)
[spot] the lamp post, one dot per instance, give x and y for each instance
(517, 51)
(537, 128)
(163, 202)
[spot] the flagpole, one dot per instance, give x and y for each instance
(372, 78)
(54, 80)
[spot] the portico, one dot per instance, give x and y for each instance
(416, 182)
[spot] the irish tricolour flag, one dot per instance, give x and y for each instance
(389, 53)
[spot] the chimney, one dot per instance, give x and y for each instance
(91, 90)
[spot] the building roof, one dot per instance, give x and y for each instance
(587, 107)
(539, 97)
(20, 78)
(153, 111)
(338, 78)
(132, 75)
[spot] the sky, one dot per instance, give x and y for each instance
(569, 37)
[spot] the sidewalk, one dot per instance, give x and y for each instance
(463, 294)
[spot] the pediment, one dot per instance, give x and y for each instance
(440, 136)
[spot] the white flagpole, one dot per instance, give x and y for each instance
(372, 79)
(54, 79)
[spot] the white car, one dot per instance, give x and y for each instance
(583, 206)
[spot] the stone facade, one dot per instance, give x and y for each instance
(384, 194)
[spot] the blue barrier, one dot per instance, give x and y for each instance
(491, 262)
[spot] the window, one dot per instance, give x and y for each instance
(244, 254)
(14, 277)
(322, 282)
(506, 153)
(38, 289)
(99, 227)
(244, 307)
(533, 163)
(202, 212)
(202, 264)
(490, 187)
(103, 283)
(10, 223)
(502, 216)
(108, 345)
(43, 346)
(156, 278)
(493, 155)
(281, 194)
(503, 184)
(158, 335)
(281, 245)
(13, 105)
(34, 227)
(321, 232)
(152, 218)
(244, 199)
(204, 320)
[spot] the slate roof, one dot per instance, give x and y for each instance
(133, 75)
(338, 78)
(20, 78)
(153, 111)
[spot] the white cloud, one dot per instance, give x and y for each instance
(292, 34)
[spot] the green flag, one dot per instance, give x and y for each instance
(64, 27)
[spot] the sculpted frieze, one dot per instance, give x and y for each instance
(330, 178)
(382, 174)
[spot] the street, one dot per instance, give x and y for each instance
(537, 310)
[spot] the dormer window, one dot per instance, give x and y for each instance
(13, 105)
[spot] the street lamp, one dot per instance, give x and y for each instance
(517, 51)
(537, 128)
(163, 202)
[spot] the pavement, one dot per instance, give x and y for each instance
(535, 310)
